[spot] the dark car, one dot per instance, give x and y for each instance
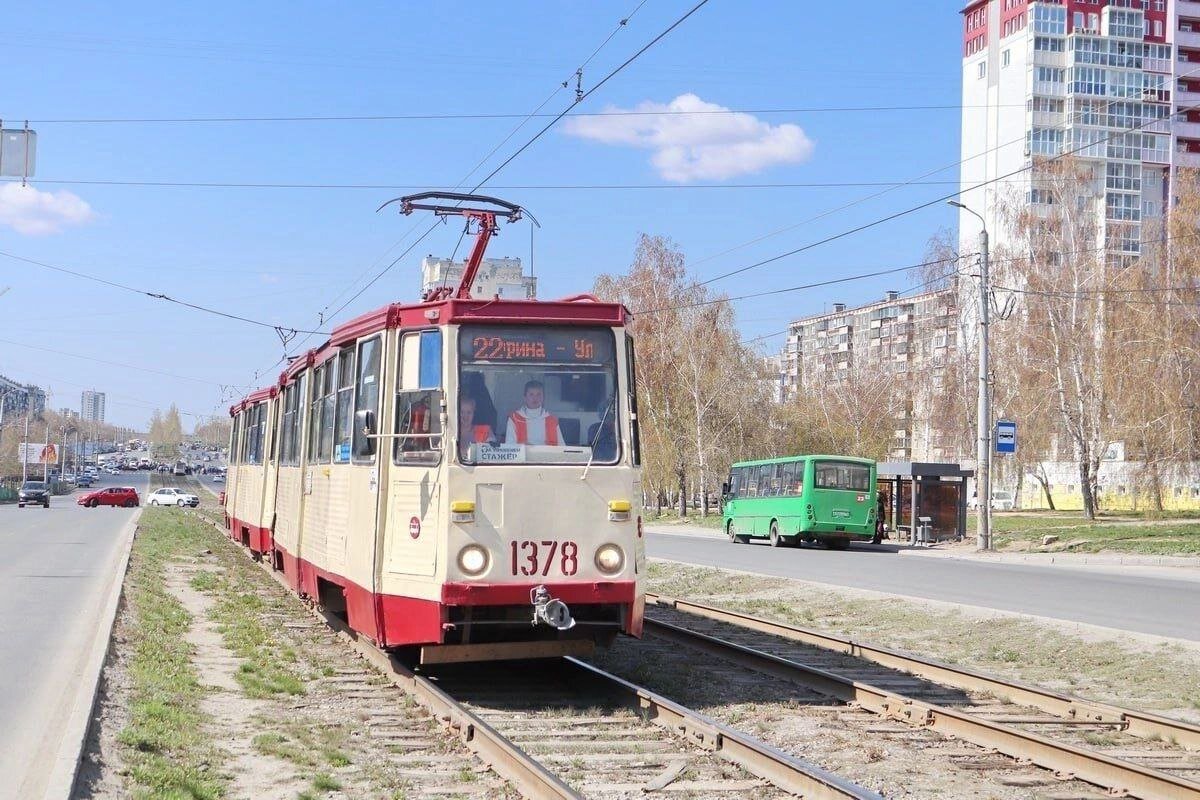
(116, 496)
(35, 492)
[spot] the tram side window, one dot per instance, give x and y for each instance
(254, 435)
(343, 424)
(233, 439)
(314, 413)
(289, 425)
(328, 398)
(366, 398)
(419, 399)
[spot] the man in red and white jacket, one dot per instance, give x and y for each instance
(532, 423)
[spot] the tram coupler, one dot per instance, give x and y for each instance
(549, 611)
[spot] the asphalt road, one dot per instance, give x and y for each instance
(1136, 601)
(56, 566)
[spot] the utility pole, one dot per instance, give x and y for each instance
(983, 453)
(25, 445)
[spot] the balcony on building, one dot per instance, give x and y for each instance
(1188, 35)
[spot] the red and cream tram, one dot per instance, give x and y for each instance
(456, 475)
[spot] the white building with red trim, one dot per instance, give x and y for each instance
(1113, 82)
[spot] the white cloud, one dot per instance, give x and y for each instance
(688, 147)
(33, 212)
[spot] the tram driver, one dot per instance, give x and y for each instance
(470, 432)
(532, 423)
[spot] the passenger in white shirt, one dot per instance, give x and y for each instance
(532, 423)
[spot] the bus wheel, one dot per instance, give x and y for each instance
(776, 539)
(729, 532)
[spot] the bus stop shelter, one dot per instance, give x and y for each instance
(917, 491)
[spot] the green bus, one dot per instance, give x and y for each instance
(827, 499)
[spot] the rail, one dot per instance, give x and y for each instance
(1114, 774)
(534, 780)
(1135, 723)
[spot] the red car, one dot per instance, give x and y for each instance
(117, 496)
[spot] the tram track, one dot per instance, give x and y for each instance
(534, 723)
(1120, 750)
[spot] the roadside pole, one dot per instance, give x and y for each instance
(983, 421)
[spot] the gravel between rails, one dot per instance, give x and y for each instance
(893, 758)
(1155, 752)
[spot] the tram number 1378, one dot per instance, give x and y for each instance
(538, 558)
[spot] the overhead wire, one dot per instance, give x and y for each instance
(578, 71)
(153, 295)
(96, 360)
(926, 204)
(499, 116)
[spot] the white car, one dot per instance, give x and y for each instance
(218, 478)
(1001, 501)
(172, 497)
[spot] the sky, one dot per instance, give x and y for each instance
(281, 255)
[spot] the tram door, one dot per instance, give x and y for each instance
(414, 520)
(361, 451)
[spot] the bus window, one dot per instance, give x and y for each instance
(751, 481)
(735, 481)
(842, 475)
(788, 478)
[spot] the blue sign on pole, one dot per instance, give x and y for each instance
(1006, 436)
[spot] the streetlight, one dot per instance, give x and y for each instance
(983, 476)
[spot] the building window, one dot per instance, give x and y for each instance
(1158, 27)
(1005, 57)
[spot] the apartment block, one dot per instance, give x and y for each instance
(497, 277)
(897, 346)
(92, 406)
(1113, 83)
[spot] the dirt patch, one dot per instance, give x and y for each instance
(233, 719)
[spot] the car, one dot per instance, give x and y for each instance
(1001, 501)
(35, 492)
(124, 496)
(84, 481)
(67, 478)
(218, 478)
(172, 497)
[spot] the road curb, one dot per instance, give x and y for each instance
(65, 771)
(1064, 559)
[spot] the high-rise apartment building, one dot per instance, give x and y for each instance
(1102, 80)
(92, 406)
(896, 350)
(17, 398)
(496, 277)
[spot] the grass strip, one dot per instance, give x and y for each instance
(168, 754)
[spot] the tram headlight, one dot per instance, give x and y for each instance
(610, 559)
(473, 560)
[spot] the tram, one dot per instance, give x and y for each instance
(456, 477)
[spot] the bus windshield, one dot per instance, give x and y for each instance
(844, 475)
(537, 395)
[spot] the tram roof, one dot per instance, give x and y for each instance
(580, 309)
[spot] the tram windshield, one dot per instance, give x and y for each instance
(537, 395)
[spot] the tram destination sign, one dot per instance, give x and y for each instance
(537, 345)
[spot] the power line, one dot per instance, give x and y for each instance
(927, 204)
(959, 163)
(152, 295)
(95, 360)
(578, 72)
(525, 187)
(500, 116)
(831, 282)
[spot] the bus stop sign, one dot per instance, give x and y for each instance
(1006, 436)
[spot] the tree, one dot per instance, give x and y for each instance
(1059, 264)
(703, 396)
